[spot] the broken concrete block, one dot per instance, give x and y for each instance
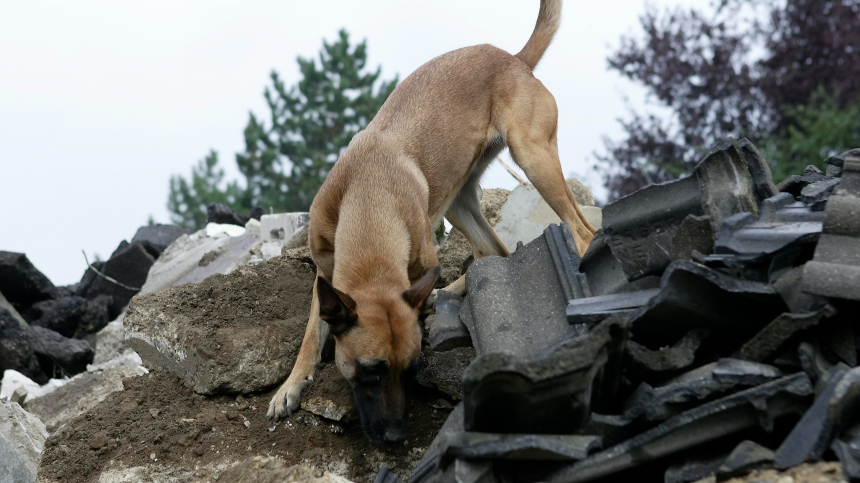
(747, 456)
(253, 227)
(385, 475)
(700, 385)
(640, 228)
(555, 447)
(58, 354)
(773, 339)
(847, 449)
(232, 254)
(694, 234)
(4, 304)
(78, 395)
(16, 349)
(299, 239)
(271, 249)
(22, 438)
(21, 283)
(179, 259)
(221, 214)
(835, 163)
(551, 394)
(128, 265)
(14, 381)
(835, 268)
(604, 273)
(280, 227)
(639, 234)
(60, 315)
(833, 409)
(817, 193)
(447, 330)
(693, 296)
(783, 222)
(158, 236)
(589, 310)
(430, 466)
(223, 343)
(516, 304)
(651, 365)
(110, 343)
(330, 396)
(526, 215)
(219, 230)
(753, 407)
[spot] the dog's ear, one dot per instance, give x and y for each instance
(337, 309)
(418, 293)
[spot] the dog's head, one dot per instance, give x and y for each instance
(378, 346)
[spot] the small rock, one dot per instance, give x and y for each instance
(100, 441)
(56, 352)
(21, 283)
(158, 236)
(16, 350)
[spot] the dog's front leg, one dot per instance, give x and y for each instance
(288, 397)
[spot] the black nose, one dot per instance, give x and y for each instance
(395, 433)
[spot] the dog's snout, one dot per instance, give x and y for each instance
(395, 433)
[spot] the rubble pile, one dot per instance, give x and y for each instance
(708, 331)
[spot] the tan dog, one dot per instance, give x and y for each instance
(372, 222)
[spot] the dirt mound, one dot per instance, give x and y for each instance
(230, 333)
(158, 420)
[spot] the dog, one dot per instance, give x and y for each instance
(372, 222)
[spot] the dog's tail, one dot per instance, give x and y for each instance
(547, 24)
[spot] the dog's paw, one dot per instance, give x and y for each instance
(288, 398)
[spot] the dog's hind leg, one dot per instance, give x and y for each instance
(532, 138)
(465, 215)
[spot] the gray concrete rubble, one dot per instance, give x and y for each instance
(835, 269)
(547, 393)
(22, 438)
(534, 283)
(640, 228)
(734, 307)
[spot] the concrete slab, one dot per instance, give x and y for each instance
(526, 215)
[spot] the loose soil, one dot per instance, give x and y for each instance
(158, 420)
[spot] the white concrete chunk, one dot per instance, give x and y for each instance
(216, 230)
(280, 227)
(253, 227)
(22, 438)
(526, 215)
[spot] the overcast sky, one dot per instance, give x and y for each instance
(101, 102)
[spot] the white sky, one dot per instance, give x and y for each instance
(101, 101)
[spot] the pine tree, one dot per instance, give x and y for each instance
(287, 159)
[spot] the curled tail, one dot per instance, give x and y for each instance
(547, 24)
